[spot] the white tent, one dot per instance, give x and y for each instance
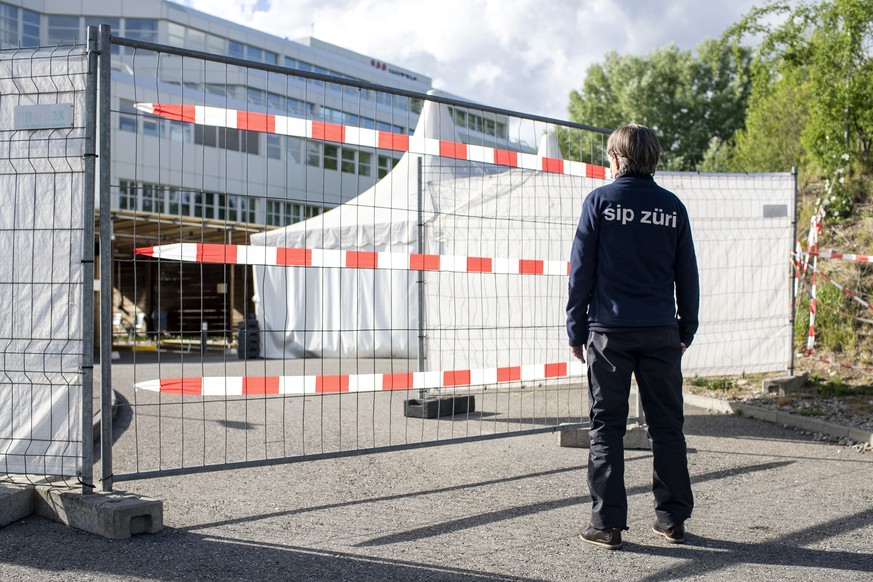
(465, 209)
(485, 320)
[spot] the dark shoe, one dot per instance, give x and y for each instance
(674, 535)
(605, 538)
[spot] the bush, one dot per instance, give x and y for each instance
(833, 332)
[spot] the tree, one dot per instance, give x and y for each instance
(826, 47)
(686, 99)
(775, 121)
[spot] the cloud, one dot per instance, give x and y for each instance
(524, 55)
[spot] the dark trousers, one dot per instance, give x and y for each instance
(654, 357)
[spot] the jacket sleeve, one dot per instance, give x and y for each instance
(687, 284)
(583, 266)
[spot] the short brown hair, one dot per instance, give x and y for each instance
(637, 148)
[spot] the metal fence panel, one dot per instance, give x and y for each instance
(43, 236)
(210, 153)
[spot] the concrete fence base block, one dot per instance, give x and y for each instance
(635, 438)
(16, 503)
(115, 515)
(785, 384)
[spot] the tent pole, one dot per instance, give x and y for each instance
(420, 273)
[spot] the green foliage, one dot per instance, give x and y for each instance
(713, 383)
(686, 99)
(718, 157)
(829, 387)
(833, 332)
(813, 69)
(770, 141)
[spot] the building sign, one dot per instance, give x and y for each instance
(384, 67)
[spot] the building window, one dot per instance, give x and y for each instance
(227, 138)
(9, 33)
(174, 201)
(216, 45)
(386, 164)
(175, 34)
(151, 126)
(239, 209)
(256, 96)
(8, 25)
(331, 157)
(145, 29)
(364, 161)
(283, 213)
(196, 40)
(126, 116)
(152, 198)
(274, 147)
(126, 195)
(236, 49)
(253, 53)
(348, 161)
(155, 198)
(294, 149)
(208, 200)
(313, 154)
(29, 28)
(63, 29)
(179, 130)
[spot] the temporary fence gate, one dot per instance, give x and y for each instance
(417, 250)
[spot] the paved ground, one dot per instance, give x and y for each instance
(771, 504)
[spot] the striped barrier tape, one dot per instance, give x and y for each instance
(810, 341)
(847, 292)
(363, 137)
(844, 290)
(303, 257)
(844, 314)
(343, 383)
(844, 256)
(838, 364)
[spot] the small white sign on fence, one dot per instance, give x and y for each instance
(46, 116)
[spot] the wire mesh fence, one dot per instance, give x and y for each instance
(47, 266)
(305, 265)
(311, 256)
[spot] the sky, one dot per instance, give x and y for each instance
(522, 55)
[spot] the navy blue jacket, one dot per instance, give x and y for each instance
(632, 264)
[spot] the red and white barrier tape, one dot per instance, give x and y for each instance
(847, 292)
(810, 341)
(838, 364)
(300, 257)
(844, 290)
(844, 256)
(327, 384)
(359, 136)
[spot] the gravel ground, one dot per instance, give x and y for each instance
(852, 406)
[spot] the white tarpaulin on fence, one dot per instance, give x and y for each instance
(41, 194)
(742, 226)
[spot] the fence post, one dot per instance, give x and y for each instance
(420, 272)
(87, 471)
(105, 68)
(792, 291)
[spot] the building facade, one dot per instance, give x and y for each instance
(173, 181)
(292, 178)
